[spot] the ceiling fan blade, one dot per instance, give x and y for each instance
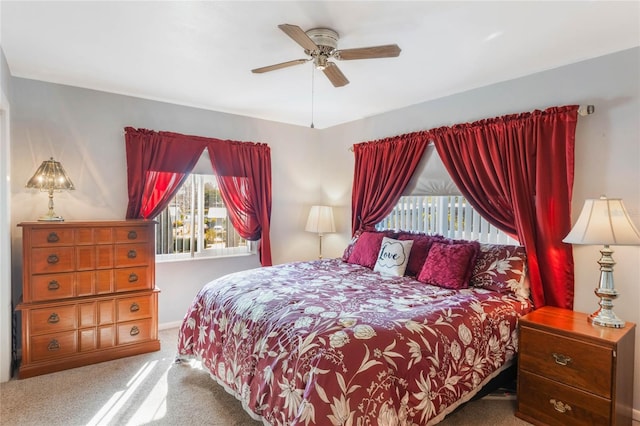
(334, 75)
(299, 36)
(280, 65)
(385, 51)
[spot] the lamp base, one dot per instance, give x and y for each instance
(48, 218)
(597, 318)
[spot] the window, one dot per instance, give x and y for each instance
(196, 223)
(451, 216)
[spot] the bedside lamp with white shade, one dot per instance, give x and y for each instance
(320, 221)
(604, 221)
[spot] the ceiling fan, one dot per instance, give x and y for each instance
(320, 44)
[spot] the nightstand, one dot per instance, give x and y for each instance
(571, 372)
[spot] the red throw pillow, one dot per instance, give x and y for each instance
(502, 268)
(421, 245)
(366, 249)
(449, 265)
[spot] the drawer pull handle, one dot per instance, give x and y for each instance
(53, 318)
(560, 406)
(53, 345)
(134, 331)
(53, 285)
(134, 307)
(132, 235)
(133, 277)
(53, 259)
(132, 254)
(53, 237)
(561, 359)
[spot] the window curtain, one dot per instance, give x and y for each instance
(243, 171)
(158, 163)
(382, 170)
(517, 172)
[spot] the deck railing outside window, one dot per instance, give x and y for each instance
(451, 216)
(196, 224)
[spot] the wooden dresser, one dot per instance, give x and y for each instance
(88, 293)
(571, 372)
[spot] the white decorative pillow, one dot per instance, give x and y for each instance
(393, 256)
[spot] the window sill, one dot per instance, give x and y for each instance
(187, 258)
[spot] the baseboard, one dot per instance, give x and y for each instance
(167, 325)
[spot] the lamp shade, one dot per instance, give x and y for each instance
(604, 221)
(320, 220)
(50, 176)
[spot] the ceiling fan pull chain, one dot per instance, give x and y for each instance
(313, 73)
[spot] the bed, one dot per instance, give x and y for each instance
(337, 342)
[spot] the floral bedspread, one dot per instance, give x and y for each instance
(333, 343)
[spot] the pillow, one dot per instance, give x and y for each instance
(350, 246)
(393, 257)
(449, 265)
(501, 268)
(366, 248)
(421, 245)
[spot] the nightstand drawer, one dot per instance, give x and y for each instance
(573, 362)
(552, 403)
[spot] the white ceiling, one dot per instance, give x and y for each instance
(200, 53)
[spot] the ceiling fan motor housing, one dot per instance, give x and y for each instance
(324, 37)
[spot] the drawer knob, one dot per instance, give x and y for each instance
(561, 359)
(53, 318)
(134, 331)
(134, 307)
(53, 259)
(560, 406)
(53, 285)
(132, 235)
(132, 254)
(133, 277)
(53, 345)
(53, 237)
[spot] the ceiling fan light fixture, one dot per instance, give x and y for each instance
(320, 62)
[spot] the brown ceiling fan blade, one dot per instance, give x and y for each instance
(280, 65)
(334, 75)
(299, 36)
(385, 51)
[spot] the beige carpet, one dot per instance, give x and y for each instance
(150, 389)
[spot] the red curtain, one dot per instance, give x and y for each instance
(243, 171)
(517, 172)
(382, 170)
(158, 163)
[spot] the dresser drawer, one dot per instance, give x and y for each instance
(131, 255)
(552, 403)
(134, 331)
(51, 287)
(133, 308)
(128, 279)
(567, 360)
(56, 345)
(53, 259)
(53, 319)
(133, 234)
(47, 237)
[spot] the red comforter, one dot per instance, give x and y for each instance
(333, 343)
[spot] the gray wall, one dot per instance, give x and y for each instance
(83, 129)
